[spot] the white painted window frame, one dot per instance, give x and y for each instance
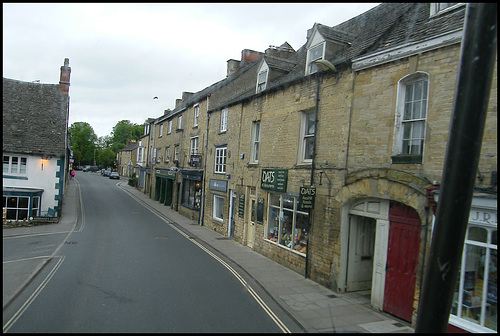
(254, 151)
(397, 147)
(218, 208)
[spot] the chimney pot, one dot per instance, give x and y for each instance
(65, 76)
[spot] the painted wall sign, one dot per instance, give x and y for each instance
(219, 185)
(274, 179)
(241, 206)
(307, 196)
(260, 210)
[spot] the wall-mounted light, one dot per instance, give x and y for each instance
(324, 65)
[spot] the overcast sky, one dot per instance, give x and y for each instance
(123, 55)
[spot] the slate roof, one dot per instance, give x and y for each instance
(35, 118)
(279, 63)
(129, 148)
(381, 28)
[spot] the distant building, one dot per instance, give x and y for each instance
(126, 159)
(35, 146)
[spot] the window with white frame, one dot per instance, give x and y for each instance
(313, 54)
(287, 225)
(196, 114)
(307, 131)
(220, 159)
(140, 151)
(254, 152)
(440, 7)
(14, 165)
(411, 119)
(261, 81)
(194, 146)
(169, 127)
(36, 206)
(167, 153)
(218, 213)
(475, 298)
(161, 130)
(223, 120)
(179, 122)
(176, 153)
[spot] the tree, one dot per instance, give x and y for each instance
(107, 157)
(123, 132)
(83, 142)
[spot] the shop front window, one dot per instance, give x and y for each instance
(191, 196)
(17, 207)
(286, 225)
(475, 298)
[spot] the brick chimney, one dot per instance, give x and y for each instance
(65, 74)
(248, 56)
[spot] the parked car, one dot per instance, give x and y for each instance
(114, 175)
(107, 172)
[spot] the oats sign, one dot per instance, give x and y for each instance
(306, 197)
(274, 179)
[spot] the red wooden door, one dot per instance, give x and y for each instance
(402, 260)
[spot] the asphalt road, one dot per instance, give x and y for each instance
(124, 269)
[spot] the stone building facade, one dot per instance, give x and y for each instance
(328, 159)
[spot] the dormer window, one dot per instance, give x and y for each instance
(262, 76)
(314, 54)
(442, 7)
(262, 81)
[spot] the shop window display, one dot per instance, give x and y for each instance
(475, 298)
(286, 225)
(191, 196)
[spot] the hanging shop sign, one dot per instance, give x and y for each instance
(195, 161)
(274, 179)
(219, 185)
(307, 196)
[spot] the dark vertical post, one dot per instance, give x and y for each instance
(460, 167)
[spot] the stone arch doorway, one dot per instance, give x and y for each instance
(381, 240)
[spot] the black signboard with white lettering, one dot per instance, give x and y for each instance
(241, 206)
(260, 210)
(306, 197)
(274, 179)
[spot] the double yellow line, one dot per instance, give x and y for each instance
(252, 292)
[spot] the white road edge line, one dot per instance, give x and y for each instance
(33, 296)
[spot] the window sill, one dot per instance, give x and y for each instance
(398, 159)
(15, 177)
(285, 248)
(222, 132)
(190, 207)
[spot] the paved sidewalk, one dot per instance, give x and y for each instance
(313, 306)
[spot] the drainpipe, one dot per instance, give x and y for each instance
(202, 210)
(477, 61)
(323, 66)
(306, 273)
